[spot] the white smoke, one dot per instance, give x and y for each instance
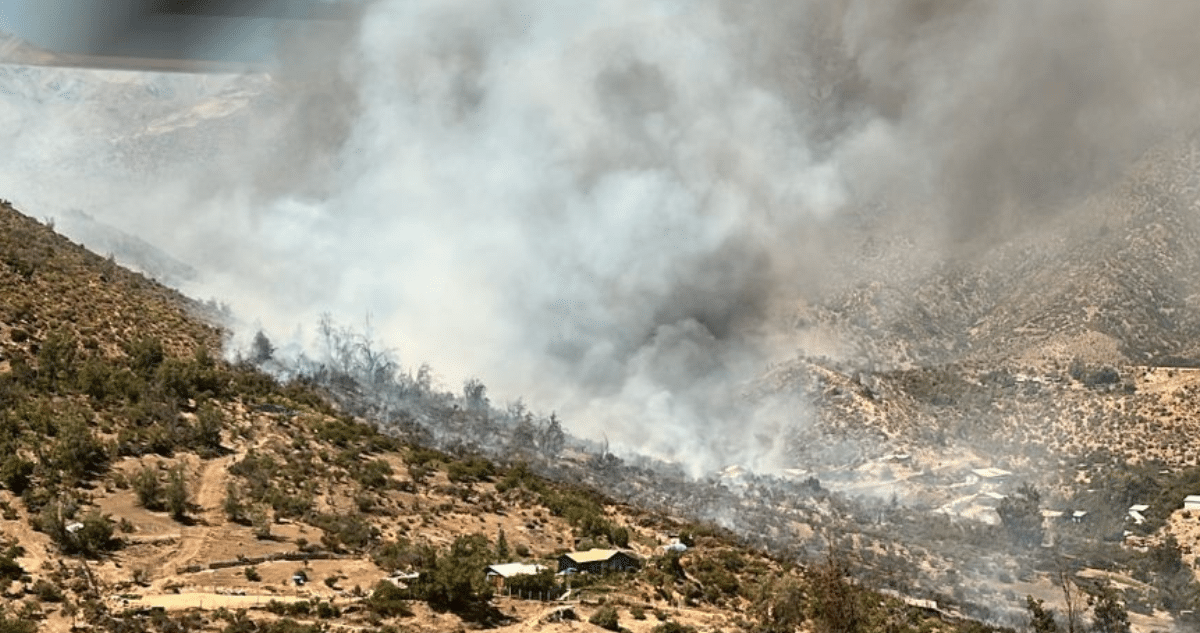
(603, 207)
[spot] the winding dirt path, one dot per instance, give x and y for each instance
(208, 497)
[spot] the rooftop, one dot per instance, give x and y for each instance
(593, 555)
(508, 570)
(990, 473)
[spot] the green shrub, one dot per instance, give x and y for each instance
(673, 627)
(403, 554)
(349, 530)
(176, 494)
(16, 473)
(606, 618)
(47, 591)
(374, 475)
(388, 600)
(148, 488)
(470, 469)
(93, 536)
(10, 569)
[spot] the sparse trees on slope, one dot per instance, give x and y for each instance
(1021, 514)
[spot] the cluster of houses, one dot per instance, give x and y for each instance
(592, 561)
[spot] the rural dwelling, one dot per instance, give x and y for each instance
(496, 574)
(599, 561)
(1191, 502)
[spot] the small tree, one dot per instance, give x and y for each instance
(388, 600)
(502, 553)
(1109, 612)
(1041, 619)
(148, 488)
(235, 508)
(261, 520)
(261, 349)
(176, 493)
(836, 606)
(457, 581)
(552, 438)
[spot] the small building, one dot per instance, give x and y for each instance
(1191, 502)
(675, 546)
(1137, 513)
(497, 574)
(598, 561)
(1052, 515)
(1078, 516)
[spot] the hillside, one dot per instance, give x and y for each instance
(149, 485)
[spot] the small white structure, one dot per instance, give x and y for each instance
(497, 574)
(74, 527)
(1052, 514)
(675, 546)
(1079, 515)
(1191, 502)
(1136, 513)
(990, 474)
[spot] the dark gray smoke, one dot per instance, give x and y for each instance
(611, 208)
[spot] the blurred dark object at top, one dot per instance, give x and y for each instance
(165, 35)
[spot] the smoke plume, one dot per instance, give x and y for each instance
(609, 208)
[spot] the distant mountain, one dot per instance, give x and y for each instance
(1115, 277)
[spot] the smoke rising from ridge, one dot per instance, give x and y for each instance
(610, 208)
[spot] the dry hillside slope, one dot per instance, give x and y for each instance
(149, 485)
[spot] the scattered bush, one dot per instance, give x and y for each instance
(470, 469)
(47, 591)
(606, 618)
(148, 488)
(388, 600)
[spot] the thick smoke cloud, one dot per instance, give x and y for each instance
(609, 208)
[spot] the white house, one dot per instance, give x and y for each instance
(1191, 502)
